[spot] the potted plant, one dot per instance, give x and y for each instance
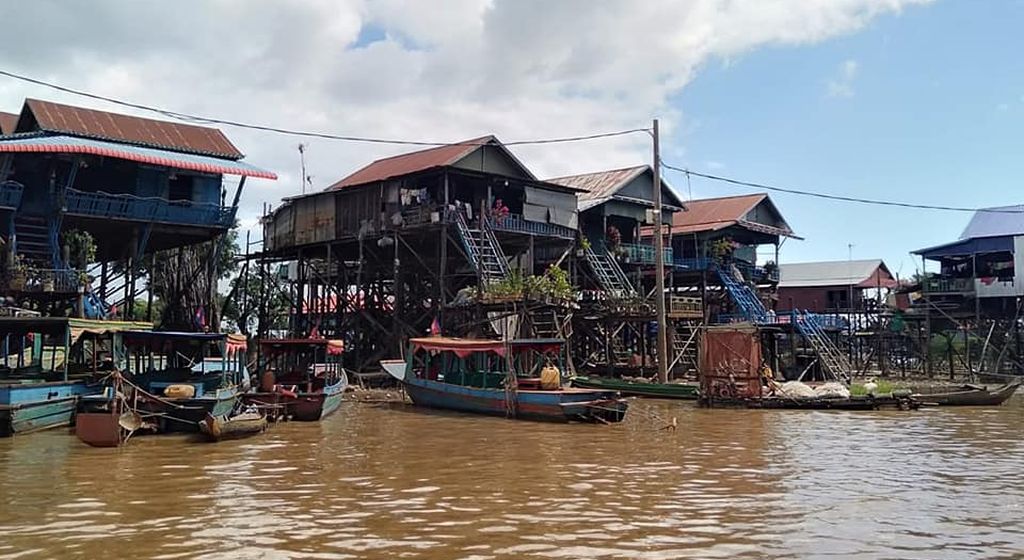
(18, 274)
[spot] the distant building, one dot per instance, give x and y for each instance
(831, 286)
(982, 265)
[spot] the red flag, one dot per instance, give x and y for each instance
(435, 327)
(314, 332)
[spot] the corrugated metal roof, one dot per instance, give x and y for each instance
(710, 214)
(76, 145)
(995, 224)
(102, 125)
(412, 162)
(7, 122)
(602, 184)
(867, 273)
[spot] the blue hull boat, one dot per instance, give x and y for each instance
(500, 378)
(562, 405)
(32, 406)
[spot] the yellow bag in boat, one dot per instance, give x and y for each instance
(180, 391)
(550, 378)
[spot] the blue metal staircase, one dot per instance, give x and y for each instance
(746, 299)
(833, 361)
(609, 274)
(483, 250)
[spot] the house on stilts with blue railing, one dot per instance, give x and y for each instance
(87, 197)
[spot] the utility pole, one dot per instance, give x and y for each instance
(659, 263)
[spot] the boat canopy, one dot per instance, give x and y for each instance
(60, 325)
(463, 347)
(334, 347)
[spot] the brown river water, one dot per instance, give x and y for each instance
(392, 481)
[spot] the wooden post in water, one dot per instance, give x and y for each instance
(659, 263)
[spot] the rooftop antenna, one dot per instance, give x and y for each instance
(302, 161)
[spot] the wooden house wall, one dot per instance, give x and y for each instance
(355, 207)
(491, 159)
(279, 230)
(314, 219)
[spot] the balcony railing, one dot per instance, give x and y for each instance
(685, 306)
(949, 285)
(638, 253)
(130, 207)
(10, 194)
(515, 223)
(62, 281)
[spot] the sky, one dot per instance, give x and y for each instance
(907, 100)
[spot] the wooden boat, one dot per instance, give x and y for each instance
(299, 379)
(40, 354)
(497, 377)
(970, 395)
(173, 381)
(863, 402)
(685, 391)
(246, 424)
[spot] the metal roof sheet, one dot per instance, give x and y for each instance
(39, 143)
(8, 122)
(103, 125)
(412, 162)
(710, 214)
(994, 224)
(836, 273)
(601, 186)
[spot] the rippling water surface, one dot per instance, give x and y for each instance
(397, 482)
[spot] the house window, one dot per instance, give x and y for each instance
(838, 299)
(179, 187)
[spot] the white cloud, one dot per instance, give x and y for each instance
(841, 85)
(441, 71)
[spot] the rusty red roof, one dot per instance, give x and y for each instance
(411, 162)
(8, 121)
(710, 214)
(90, 123)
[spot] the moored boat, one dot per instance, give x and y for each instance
(970, 395)
(515, 378)
(237, 426)
(173, 381)
(299, 379)
(46, 369)
(684, 391)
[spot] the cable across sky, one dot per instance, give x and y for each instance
(836, 197)
(303, 133)
(558, 140)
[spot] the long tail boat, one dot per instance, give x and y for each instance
(514, 378)
(45, 369)
(684, 391)
(970, 395)
(173, 380)
(299, 378)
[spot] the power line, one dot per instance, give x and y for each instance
(840, 198)
(308, 134)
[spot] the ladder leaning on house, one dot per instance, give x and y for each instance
(833, 361)
(609, 274)
(483, 250)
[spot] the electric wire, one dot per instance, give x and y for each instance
(836, 197)
(308, 134)
(557, 140)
